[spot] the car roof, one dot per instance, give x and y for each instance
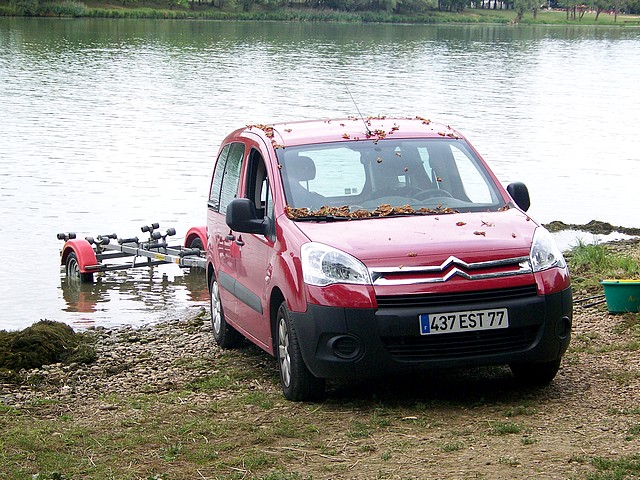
(352, 129)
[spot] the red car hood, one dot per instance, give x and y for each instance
(428, 240)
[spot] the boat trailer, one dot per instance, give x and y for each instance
(82, 258)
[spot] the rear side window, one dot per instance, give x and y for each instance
(224, 186)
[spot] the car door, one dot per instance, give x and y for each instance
(255, 251)
(221, 247)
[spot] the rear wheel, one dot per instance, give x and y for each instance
(537, 374)
(298, 383)
(72, 270)
(225, 335)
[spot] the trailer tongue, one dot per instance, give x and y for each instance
(82, 258)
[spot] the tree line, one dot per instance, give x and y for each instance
(575, 9)
(373, 10)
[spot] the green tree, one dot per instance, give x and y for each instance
(520, 6)
(452, 5)
(177, 3)
(618, 6)
(600, 6)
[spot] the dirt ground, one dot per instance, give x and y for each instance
(448, 425)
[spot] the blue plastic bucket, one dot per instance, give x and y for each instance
(622, 295)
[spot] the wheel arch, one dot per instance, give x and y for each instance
(84, 253)
(275, 299)
(194, 233)
(210, 275)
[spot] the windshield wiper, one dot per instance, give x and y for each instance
(321, 218)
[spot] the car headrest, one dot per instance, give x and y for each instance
(300, 169)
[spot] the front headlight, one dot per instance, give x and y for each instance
(324, 265)
(544, 251)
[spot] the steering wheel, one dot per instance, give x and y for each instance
(431, 193)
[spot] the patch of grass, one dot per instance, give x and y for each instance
(281, 475)
(633, 431)
(451, 446)
(629, 346)
(528, 441)
(625, 377)
(259, 399)
(519, 410)
(579, 459)
(288, 428)
(615, 469)
(624, 411)
(505, 428)
(628, 323)
(213, 383)
(589, 264)
(358, 429)
(510, 461)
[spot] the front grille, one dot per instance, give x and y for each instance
(458, 298)
(459, 345)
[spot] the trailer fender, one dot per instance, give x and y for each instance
(193, 235)
(84, 253)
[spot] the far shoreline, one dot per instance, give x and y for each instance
(177, 10)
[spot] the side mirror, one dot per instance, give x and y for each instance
(242, 217)
(520, 195)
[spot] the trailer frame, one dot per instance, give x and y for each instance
(81, 258)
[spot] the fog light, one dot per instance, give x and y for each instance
(345, 346)
(563, 328)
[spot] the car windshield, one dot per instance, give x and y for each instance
(367, 178)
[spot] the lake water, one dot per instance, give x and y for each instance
(108, 125)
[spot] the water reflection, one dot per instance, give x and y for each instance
(149, 288)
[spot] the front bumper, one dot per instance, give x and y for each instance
(364, 342)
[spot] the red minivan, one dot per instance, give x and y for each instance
(356, 247)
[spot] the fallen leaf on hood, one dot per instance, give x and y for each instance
(477, 232)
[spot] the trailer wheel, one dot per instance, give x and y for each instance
(72, 270)
(196, 243)
(225, 335)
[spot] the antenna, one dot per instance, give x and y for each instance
(366, 127)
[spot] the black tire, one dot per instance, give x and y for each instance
(535, 374)
(298, 383)
(196, 243)
(225, 335)
(72, 270)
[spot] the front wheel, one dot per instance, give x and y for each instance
(298, 383)
(225, 335)
(536, 374)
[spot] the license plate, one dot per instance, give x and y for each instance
(469, 321)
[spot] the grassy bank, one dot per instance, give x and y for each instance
(151, 10)
(164, 402)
